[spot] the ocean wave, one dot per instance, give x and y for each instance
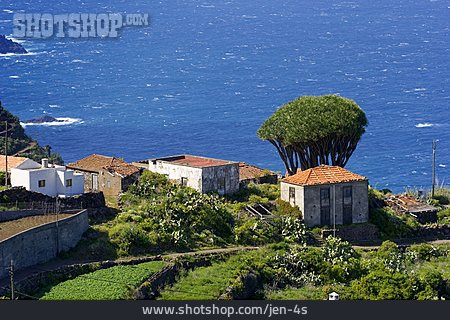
(15, 39)
(424, 125)
(59, 122)
(21, 54)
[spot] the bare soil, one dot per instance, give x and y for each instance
(10, 228)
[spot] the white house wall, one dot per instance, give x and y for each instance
(20, 178)
(55, 179)
(176, 172)
(43, 174)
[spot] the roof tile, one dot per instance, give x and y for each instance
(323, 175)
(97, 163)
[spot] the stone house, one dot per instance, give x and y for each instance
(328, 195)
(201, 173)
(252, 174)
(110, 175)
(49, 179)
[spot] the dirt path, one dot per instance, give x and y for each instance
(30, 146)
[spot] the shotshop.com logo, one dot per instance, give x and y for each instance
(74, 25)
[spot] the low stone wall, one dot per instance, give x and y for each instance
(42, 243)
(150, 289)
(43, 278)
(355, 233)
(435, 232)
(23, 196)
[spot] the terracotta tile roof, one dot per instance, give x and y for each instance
(323, 175)
(96, 163)
(12, 162)
(247, 171)
(194, 161)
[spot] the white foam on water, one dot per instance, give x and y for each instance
(65, 121)
(424, 125)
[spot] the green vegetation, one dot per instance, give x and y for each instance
(314, 130)
(208, 283)
(391, 225)
(106, 284)
(19, 143)
(389, 273)
(158, 215)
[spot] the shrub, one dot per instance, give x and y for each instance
(391, 257)
(254, 231)
(130, 239)
(392, 226)
(381, 285)
(442, 199)
(293, 229)
(444, 216)
(285, 208)
(423, 252)
(335, 250)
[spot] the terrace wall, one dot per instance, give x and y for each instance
(42, 243)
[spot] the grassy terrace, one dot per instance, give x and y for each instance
(10, 228)
(208, 283)
(114, 283)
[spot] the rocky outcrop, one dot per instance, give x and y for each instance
(9, 46)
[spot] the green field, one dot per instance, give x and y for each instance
(114, 283)
(208, 283)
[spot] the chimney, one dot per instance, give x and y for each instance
(45, 163)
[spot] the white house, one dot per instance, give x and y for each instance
(52, 180)
(201, 173)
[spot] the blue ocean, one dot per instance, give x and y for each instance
(204, 75)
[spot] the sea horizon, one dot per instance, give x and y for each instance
(204, 75)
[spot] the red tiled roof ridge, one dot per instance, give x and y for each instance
(323, 174)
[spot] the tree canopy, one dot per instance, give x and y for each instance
(314, 130)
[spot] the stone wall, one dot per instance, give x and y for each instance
(24, 197)
(42, 243)
(356, 233)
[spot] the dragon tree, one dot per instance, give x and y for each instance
(314, 130)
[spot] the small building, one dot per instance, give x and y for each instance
(328, 195)
(49, 179)
(110, 175)
(201, 173)
(251, 174)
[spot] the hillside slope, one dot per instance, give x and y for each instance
(20, 144)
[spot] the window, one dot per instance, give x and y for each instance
(325, 206)
(292, 195)
(68, 182)
(347, 200)
(108, 184)
(41, 183)
(221, 184)
(94, 182)
(184, 181)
